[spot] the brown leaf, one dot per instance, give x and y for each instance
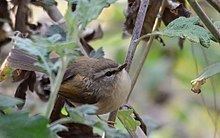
(29, 79)
(90, 34)
(131, 14)
(174, 10)
(18, 75)
(79, 131)
(197, 84)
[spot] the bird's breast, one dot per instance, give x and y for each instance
(118, 95)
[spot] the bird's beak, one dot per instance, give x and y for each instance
(121, 67)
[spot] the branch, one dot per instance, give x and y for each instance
(55, 86)
(215, 4)
(53, 12)
(205, 19)
(21, 16)
(136, 32)
(133, 45)
(145, 49)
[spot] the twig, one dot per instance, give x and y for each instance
(53, 13)
(136, 32)
(215, 4)
(132, 47)
(62, 121)
(55, 86)
(21, 16)
(205, 19)
(146, 48)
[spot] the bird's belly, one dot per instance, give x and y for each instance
(117, 98)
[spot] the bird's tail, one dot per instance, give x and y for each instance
(19, 59)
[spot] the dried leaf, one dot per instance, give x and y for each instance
(173, 11)
(201, 79)
(131, 14)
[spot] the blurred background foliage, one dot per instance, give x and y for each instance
(162, 95)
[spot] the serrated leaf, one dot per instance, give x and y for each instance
(20, 125)
(127, 119)
(79, 114)
(97, 53)
(109, 132)
(87, 10)
(56, 29)
(201, 79)
(188, 28)
(7, 101)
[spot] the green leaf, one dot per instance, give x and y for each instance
(97, 53)
(6, 102)
(20, 125)
(87, 10)
(126, 118)
(201, 79)
(188, 28)
(109, 132)
(41, 48)
(79, 114)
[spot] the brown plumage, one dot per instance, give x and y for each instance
(100, 82)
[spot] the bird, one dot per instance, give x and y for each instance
(96, 81)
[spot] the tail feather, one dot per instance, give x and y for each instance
(19, 59)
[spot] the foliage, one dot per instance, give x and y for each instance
(87, 10)
(207, 73)
(19, 124)
(6, 102)
(127, 119)
(188, 28)
(97, 54)
(80, 115)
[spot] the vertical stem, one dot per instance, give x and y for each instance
(22, 16)
(55, 86)
(205, 19)
(136, 32)
(145, 49)
(215, 4)
(133, 45)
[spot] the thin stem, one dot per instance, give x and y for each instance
(56, 86)
(53, 12)
(145, 36)
(133, 45)
(136, 32)
(62, 121)
(205, 19)
(202, 97)
(215, 4)
(145, 49)
(215, 118)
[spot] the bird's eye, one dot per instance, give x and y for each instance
(108, 73)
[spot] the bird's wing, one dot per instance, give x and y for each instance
(76, 90)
